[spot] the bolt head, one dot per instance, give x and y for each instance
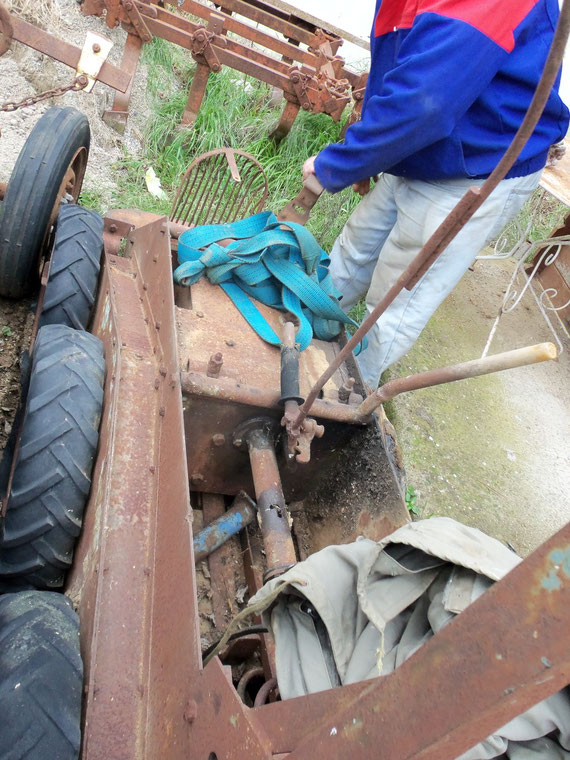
(196, 478)
(218, 439)
(96, 47)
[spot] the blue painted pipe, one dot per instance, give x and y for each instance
(210, 538)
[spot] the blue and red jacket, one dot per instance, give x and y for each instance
(450, 83)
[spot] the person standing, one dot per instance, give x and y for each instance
(449, 85)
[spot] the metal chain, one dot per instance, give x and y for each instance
(79, 83)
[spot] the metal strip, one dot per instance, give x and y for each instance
(63, 51)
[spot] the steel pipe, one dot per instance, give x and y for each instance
(520, 357)
(216, 533)
(258, 435)
(229, 390)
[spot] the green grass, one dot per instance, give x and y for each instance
(235, 113)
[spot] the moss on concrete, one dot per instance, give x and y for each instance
(464, 448)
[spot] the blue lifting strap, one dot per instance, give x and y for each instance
(277, 263)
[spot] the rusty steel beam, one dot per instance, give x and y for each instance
(272, 21)
(133, 568)
(220, 40)
(503, 654)
(228, 57)
(258, 36)
(65, 52)
(226, 389)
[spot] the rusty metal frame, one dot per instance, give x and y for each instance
(133, 581)
(314, 78)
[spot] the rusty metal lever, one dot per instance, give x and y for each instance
(507, 360)
(299, 208)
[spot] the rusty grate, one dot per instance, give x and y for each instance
(219, 187)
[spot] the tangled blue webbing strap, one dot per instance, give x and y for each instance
(282, 268)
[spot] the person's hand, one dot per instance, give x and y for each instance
(309, 167)
(363, 186)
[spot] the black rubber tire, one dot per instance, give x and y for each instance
(41, 677)
(74, 268)
(52, 477)
(32, 193)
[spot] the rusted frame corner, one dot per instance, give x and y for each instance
(503, 654)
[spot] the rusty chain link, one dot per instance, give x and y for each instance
(79, 83)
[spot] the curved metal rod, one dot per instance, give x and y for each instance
(463, 211)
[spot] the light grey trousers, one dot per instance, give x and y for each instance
(387, 230)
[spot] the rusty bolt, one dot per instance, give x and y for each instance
(157, 325)
(218, 439)
(230, 343)
(152, 468)
(196, 478)
(145, 286)
(191, 711)
(162, 411)
(156, 384)
(345, 390)
(96, 47)
(127, 5)
(113, 228)
(215, 365)
(162, 371)
(200, 314)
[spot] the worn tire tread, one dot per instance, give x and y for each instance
(40, 677)
(74, 268)
(52, 477)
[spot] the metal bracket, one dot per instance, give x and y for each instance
(299, 437)
(202, 49)
(299, 82)
(94, 54)
(136, 19)
(333, 95)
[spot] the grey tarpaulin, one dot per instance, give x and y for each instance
(359, 610)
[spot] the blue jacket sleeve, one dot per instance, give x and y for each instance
(442, 66)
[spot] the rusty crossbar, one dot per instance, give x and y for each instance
(65, 52)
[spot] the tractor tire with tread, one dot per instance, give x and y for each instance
(74, 268)
(52, 476)
(40, 677)
(59, 139)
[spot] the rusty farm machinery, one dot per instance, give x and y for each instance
(168, 463)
